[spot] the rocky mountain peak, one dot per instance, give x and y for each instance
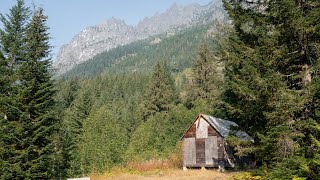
(115, 32)
(112, 21)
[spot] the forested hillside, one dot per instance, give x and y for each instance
(140, 56)
(133, 103)
(111, 106)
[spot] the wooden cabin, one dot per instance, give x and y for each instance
(204, 143)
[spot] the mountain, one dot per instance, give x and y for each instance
(140, 56)
(114, 32)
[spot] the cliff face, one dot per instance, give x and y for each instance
(114, 32)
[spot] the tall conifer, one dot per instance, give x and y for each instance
(207, 78)
(36, 97)
(271, 76)
(27, 121)
(160, 93)
(13, 46)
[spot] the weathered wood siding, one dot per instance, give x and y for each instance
(201, 128)
(212, 132)
(211, 150)
(220, 148)
(203, 146)
(191, 132)
(189, 152)
(200, 151)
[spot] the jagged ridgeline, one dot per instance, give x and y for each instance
(177, 49)
(116, 43)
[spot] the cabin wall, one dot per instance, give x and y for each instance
(189, 146)
(203, 146)
(200, 151)
(211, 150)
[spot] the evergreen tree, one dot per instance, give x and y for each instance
(160, 93)
(271, 68)
(297, 60)
(206, 77)
(5, 138)
(313, 132)
(67, 92)
(35, 95)
(5, 85)
(74, 118)
(13, 46)
(13, 35)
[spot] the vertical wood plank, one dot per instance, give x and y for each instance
(215, 150)
(189, 152)
(200, 151)
(220, 148)
(202, 129)
(211, 150)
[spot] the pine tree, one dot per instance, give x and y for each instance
(313, 132)
(5, 85)
(5, 150)
(160, 93)
(36, 97)
(65, 97)
(13, 46)
(4, 77)
(271, 69)
(74, 118)
(249, 87)
(13, 36)
(297, 28)
(207, 77)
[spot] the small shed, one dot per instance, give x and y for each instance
(204, 143)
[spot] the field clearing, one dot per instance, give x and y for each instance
(175, 174)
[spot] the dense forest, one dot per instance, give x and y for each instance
(133, 103)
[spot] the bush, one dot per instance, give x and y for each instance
(246, 176)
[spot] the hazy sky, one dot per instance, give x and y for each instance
(68, 17)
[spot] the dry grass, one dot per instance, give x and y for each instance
(174, 174)
(161, 169)
(151, 165)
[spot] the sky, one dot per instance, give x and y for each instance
(66, 18)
